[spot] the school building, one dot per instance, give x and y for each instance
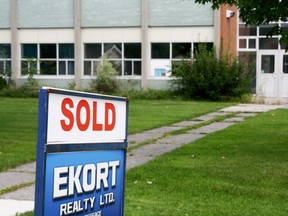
(66, 40)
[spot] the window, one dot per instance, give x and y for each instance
(268, 43)
(132, 59)
(92, 56)
(5, 59)
(267, 64)
(66, 59)
(266, 29)
(247, 30)
(160, 50)
(285, 64)
(181, 50)
(125, 58)
(48, 59)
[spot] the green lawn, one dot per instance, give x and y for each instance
(18, 123)
(242, 170)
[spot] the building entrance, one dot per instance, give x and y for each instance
(272, 74)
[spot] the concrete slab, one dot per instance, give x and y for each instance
(246, 115)
(25, 193)
(217, 114)
(151, 134)
(186, 123)
(234, 119)
(204, 118)
(12, 207)
(180, 139)
(10, 179)
(216, 126)
(252, 108)
(31, 168)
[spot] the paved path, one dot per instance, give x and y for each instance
(159, 142)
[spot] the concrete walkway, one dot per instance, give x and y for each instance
(159, 142)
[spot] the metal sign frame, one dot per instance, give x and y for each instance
(90, 159)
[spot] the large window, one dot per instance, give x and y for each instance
(5, 59)
(47, 59)
(167, 56)
(125, 57)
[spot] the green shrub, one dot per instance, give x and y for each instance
(3, 83)
(211, 77)
(106, 81)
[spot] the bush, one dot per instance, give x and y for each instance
(212, 77)
(106, 81)
(3, 83)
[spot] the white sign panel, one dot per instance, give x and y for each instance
(73, 119)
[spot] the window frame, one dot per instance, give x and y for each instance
(57, 60)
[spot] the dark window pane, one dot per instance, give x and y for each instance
(48, 51)
(268, 43)
(71, 68)
(48, 67)
(128, 68)
(132, 50)
(66, 51)
(2, 67)
(87, 67)
(137, 68)
(266, 29)
(247, 30)
(243, 43)
(252, 43)
(92, 51)
(5, 51)
(285, 64)
(181, 50)
(267, 64)
(62, 68)
(160, 50)
(29, 51)
(113, 50)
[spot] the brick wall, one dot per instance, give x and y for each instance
(228, 31)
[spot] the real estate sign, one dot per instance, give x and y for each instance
(81, 153)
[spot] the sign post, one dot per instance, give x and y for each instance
(81, 153)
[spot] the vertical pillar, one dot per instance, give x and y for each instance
(14, 42)
(145, 44)
(77, 43)
(217, 27)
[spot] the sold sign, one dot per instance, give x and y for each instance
(81, 153)
(78, 120)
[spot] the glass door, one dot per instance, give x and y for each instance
(267, 74)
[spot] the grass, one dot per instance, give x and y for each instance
(242, 170)
(18, 123)
(148, 114)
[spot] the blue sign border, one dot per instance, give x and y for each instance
(43, 149)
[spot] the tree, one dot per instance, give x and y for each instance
(259, 12)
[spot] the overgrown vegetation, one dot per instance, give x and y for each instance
(106, 80)
(28, 89)
(211, 77)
